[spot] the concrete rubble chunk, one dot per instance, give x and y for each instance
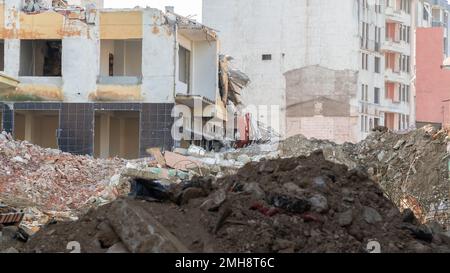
(140, 232)
(371, 215)
(345, 218)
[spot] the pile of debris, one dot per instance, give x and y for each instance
(48, 183)
(304, 204)
(411, 168)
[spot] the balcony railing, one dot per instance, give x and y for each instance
(370, 45)
(439, 24)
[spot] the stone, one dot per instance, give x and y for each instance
(399, 144)
(408, 216)
(244, 159)
(371, 216)
(191, 193)
(9, 231)
(216, 200)
(319, 182)
(19, 160)
(140, 232)
(118, 248)
(255, 190)
(293, 188)
(345, 218)
(319, 203)
(435, 227)
(380, 156)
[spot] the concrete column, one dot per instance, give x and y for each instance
(28, 127)
(105, 128)
(122, 137)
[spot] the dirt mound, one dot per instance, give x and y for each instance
(304, 204)
(411, 168)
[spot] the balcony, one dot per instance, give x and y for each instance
(397, 16)
(395, 76)
(391, 45)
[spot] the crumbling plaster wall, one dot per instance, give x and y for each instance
(297, 33)
(158, 63)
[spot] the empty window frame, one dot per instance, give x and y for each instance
(377, 64)
(121, 58)
(184, 65)
(40, 58)
(266, 57)
(2, 55)
(376, 95)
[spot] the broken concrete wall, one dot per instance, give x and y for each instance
(319, 103)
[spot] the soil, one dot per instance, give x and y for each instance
(303, 204)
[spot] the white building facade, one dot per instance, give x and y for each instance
(337, 69)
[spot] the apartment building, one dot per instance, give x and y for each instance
(433, 81)
(102, 82)
(336, 68)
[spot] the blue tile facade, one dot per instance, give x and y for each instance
(77, 120)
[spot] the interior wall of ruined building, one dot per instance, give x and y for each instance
(121, 58)
(116, 134)
(37, 127)
(40, 58)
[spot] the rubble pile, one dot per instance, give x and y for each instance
(48, 183)
(304, 204)
(411, 168)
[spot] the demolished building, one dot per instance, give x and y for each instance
(103, 82)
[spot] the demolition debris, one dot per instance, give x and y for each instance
(304, 195)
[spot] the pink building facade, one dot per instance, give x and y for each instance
(432, 81)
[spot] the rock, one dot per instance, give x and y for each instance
(244, 159)
(191, 193)
(118, 248)
(9, 231)
(290, 204)
(399, 144)
(293, 188)
(140, 232)
(408, 216)
(10, 250)
(371, 216)
(380, 156)
(345, 218)
(319, 182)
(445, 236)
(435, 227)
(319, 203)
(255, 190)
(19, 160)
(216, 200)
(422, 233)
